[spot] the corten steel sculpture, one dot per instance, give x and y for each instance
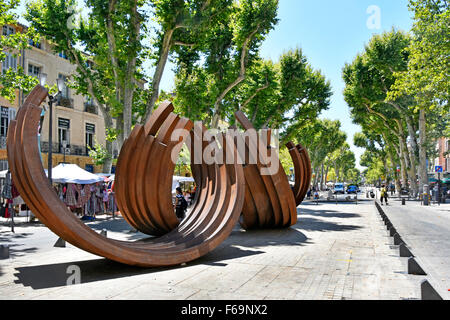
(269, 200)
(218, 207)
(303, 171)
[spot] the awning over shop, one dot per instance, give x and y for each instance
(71, 173)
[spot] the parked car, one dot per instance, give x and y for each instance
(352, 189)
(404, 192)
(339, 188)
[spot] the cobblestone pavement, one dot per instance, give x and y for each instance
(335, 251)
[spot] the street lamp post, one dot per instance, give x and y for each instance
(51, 99)
(64, 145)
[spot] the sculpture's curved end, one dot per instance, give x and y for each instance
(302, 169)
(216, 212)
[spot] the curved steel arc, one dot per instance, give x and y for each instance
(214, 222)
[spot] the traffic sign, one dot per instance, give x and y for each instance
(439, 169)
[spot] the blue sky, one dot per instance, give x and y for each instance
(331, 33)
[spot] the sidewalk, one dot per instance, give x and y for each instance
(334, 252)
(426, 230)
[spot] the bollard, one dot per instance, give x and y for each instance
(392, 231)
(403, 202)
(404, 251)
(415, 268)
(397, 239)
(4, 251)
(60, 243)
(428, 292)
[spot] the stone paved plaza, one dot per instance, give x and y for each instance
(335, 251)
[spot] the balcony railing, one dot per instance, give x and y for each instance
(91, 108)
(2, 142)
(66, 102)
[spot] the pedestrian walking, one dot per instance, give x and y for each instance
(180, 204)
(383, 195)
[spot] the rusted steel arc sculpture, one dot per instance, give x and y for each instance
(269, 200)
(302, 169)
(144, 173)
(199, 234)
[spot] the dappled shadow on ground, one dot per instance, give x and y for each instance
(15, 251)
(268, 237)
(22, 224)
(219, 256)
(9, 236)
(240, 243)
(311, 218)
(326, 213)
(312, 224)
(14, 248)
(58, 275)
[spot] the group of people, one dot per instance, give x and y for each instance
(87, 200)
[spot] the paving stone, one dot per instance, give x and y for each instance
(334, 252)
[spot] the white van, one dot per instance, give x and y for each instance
(339, 188)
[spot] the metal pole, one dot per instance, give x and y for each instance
(439, 189)
(11, 212)
(50, 139)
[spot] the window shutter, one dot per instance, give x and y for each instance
(14, 62)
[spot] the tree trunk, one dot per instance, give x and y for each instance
(166, 45)
(396, 175)
(326, 175)
(321, 177)
(241, 77)
(423, 174)
(119, 128)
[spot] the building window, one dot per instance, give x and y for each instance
(7, 114)
(34, 70)
(65, 90)
(4, 165)
(63, 133)
(31, 42)
(7, 30)
(9, 62)
(90, 133)
(4, 121)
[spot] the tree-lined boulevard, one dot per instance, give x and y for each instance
(396, 89)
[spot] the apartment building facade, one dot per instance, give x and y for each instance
(443, 160)
(77, 122)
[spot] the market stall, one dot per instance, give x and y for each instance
(83, 192)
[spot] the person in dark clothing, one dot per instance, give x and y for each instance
(180, 204)
(383, 195)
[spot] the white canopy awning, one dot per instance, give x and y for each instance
(71, 173)
(183, 179)
(3, 173)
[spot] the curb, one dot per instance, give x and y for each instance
(428, 292)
